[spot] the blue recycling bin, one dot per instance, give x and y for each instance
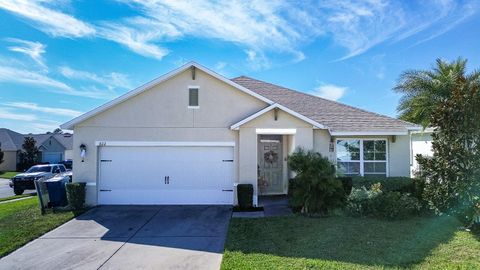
(56, 190)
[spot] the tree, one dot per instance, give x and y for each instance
(452, 175)
(424, 90)
(58, 131)
(1, 155)
(30, 155)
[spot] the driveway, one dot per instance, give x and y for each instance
(7, 191)
(131, 237)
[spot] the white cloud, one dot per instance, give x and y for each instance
(23, 76)
(257, 60)
(47, 19)
(110, 80)
(330, 91)
(50, 110)
(30, 48)
(140, 42)
(43, 127)
(9, 115)
(263, 27)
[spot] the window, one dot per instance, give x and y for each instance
(362, 157)
(193, 97)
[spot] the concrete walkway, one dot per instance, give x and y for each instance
(131, 237)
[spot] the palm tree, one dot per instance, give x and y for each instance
(424, 90)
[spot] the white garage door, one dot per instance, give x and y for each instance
(165, 175)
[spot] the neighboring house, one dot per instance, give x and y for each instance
(53, 147)
(421, 144)
(191, 135)
(10, 143)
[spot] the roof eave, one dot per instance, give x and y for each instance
(315, 124)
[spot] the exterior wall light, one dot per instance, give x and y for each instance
(83, 151)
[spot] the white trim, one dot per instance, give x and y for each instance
(368, 133)
(279, 131)
(163, 143)
(362, 161)
(281, 107)
(193, 107)
(70, 124)
(194, 87)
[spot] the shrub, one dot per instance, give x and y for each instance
(413, 186)
(316, 188)
(376, 203)
(245, 196)
(359, 202)
(395, 205)
(347, 184)
(76, 195)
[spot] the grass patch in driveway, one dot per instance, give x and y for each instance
(8, 175)
(21, 222)
(349, 243)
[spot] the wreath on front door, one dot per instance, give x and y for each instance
(270, 157)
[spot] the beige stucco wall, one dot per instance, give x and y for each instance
(162, 114)
(398, 153)
(9, 161)
(321, 143)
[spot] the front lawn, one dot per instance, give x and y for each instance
(349, 243)
(21, 222)
(8, 175)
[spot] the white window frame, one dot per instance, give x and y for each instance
(198, 97)
(362, 161)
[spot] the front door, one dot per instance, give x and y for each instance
(270, 164)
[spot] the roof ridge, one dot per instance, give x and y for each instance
(327, 100)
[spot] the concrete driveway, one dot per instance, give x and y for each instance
(130, 237)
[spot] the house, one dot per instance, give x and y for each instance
(53, 147)
(10, 143)
(421, 144)
(189, 136)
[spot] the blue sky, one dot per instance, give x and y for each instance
(59, 59)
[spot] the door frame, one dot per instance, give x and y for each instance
(99, 144)
(284, 156)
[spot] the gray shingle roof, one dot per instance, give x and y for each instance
(336, 116)
(10, 140)
(64, 139)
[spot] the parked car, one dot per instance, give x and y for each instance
(68, 163)
(25, 180)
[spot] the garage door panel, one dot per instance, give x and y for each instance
(136, 175)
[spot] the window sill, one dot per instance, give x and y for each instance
(194, 107)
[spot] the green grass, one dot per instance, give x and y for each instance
(15, 197)
(21, 222)
(8, 175)
(350, 243)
